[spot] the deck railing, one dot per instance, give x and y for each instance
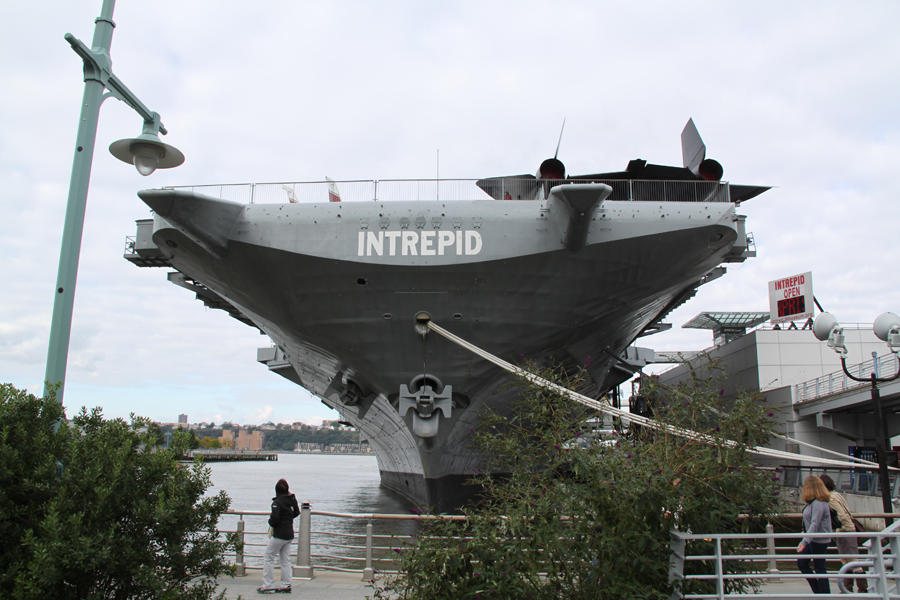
(863, 481)
(771, 558)
(392, 190)
(356, 543)
(327, 543)
(838, 381)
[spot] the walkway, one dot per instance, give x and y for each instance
(327, 585)
(332, 585)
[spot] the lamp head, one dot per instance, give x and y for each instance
(887, 328)
(823, 325)
(146, 153)
(826, 328)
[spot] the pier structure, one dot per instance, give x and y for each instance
(813, 401)
(231, 455)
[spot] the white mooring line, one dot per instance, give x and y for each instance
(605, 407)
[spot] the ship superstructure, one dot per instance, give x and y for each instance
(550, 268)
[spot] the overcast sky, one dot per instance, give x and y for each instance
(802, 96)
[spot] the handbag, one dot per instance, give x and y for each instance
(835, 520)
(856, 524)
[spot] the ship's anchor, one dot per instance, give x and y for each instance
(426, 402)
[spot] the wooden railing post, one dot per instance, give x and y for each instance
(304, 568)
(368, 572)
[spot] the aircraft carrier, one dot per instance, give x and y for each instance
(548, 267)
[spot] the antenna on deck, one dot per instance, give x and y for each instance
(561, 129)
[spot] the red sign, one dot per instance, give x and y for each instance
(791, 298)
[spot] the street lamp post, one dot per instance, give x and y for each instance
(146, 152)
(887, 328)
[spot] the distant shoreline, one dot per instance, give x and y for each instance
(324, 453)
(216, 451)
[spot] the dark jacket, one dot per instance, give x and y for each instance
(284, 511)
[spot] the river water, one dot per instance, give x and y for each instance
(332, 483)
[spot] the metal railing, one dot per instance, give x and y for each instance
(838, 381)
(392, 190)
(857, 480)
(764, 557)
(349, 542)
(765, 562)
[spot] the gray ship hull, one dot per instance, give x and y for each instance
(337, 288)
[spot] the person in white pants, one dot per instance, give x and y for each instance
(281, 549)
(281, 533)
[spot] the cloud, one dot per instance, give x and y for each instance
(261, 415)
(804, 101)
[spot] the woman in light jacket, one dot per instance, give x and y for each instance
(816, 519)
(845, 545)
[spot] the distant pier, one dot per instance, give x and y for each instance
(231, 455)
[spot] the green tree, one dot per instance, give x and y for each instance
(98, 510)
(208, 442)
(620, 499)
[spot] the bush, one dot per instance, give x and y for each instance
(97, 510)
(620, 499)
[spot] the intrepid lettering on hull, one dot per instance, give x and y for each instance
(414, 243)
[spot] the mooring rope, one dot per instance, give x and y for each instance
(605, 407)
(860, 461)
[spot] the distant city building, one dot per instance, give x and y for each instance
(250, 441)
(348, 448)
(182, 419)
(308, 447)
(227, 439)
(242, 440)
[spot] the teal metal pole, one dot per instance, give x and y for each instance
(64, 297)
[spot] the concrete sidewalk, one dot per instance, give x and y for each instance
(794, 586)
(334, 585)
(327, 585)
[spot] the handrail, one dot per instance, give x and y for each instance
(378, 548)
(880, 560)
(506, 188)
(771, 563)
(767, 326)
(857, 480)
(835, 382)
